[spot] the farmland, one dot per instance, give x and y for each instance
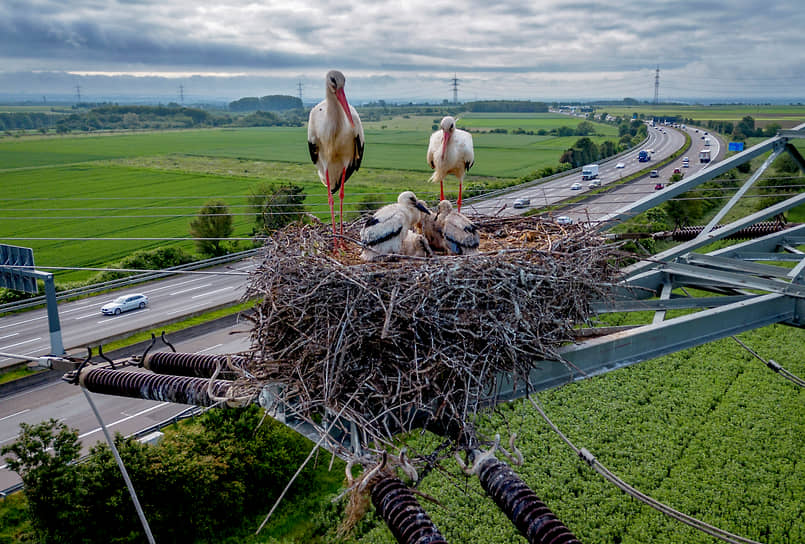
(785, 116)
(151, 185)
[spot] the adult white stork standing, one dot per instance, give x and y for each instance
(384, 232)
(450, 152)
(335, 140)
(460, 234)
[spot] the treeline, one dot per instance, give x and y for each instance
(27, 120)
(196, 484)
(274, 102)
(113, 117)
(506, 106)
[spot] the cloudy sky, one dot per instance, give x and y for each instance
(407, 50)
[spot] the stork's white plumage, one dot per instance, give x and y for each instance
(450, 152)
(460, 234)
(335, 141)
(384, 232)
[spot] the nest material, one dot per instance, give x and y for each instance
(379, 342)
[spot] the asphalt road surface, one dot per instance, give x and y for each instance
(66, 403)
(83, 324)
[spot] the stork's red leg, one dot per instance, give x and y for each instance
(441, 190)
(459, 195)
(341, 200)
(330, 202)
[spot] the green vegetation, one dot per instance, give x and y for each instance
(786, 116)
(152, 185)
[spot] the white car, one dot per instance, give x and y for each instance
(125, 303)
(594, 183)
(576, 186)
(522, 203)
(564, 220)
(620, 165)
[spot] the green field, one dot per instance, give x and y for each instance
(785, 116)
(90, 186)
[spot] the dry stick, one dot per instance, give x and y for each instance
(305, 462)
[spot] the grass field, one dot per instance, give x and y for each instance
(785, 116)
(151, 185)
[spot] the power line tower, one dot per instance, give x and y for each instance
(181, 94)
(455, 89)
(657, 85)
(299, 87)
(78, 93)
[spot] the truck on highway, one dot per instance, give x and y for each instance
(644, 156)
(704, 155)
(589, 171)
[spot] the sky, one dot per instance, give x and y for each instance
(405, 50)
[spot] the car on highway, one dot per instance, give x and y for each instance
(654, 174)
(659, 186)
(594, 183)
(564, 220)
(124, 303)
(522, 203)
(677, 171)
(620, 165)
(576, 186)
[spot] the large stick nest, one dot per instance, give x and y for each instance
(381, 341)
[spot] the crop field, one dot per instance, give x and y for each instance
(151, 184)
(785, 116)
(709, 431)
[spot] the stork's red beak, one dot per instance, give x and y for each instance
(444, 142)
(342, 99)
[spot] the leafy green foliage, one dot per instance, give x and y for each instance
(214, 222)
(274, 207)
(196, 484)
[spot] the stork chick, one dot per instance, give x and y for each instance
(460, 234)
(384, 232)
(450, 152)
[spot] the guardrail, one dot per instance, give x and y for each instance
(184, 414)
(130, 280)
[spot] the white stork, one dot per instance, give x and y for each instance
(450, 152)
(335, 140)
(460, 234)
(384, 232)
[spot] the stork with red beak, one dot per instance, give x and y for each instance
(335, 140)
(450, 152)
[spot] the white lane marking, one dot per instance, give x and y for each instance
(19, 343)
(23, 322)
(211, 292)
(119, 421)
(118, 316)
(191, 289)
(8, 336)
(208, 349)
(93, 314)
(22, 411)
(171, 286)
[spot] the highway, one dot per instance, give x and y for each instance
(82, 323)
(663, 140)
(66, 403)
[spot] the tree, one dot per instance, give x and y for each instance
(44, 457)
(213, 223)
(275, 207)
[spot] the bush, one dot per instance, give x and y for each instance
(196, 484)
